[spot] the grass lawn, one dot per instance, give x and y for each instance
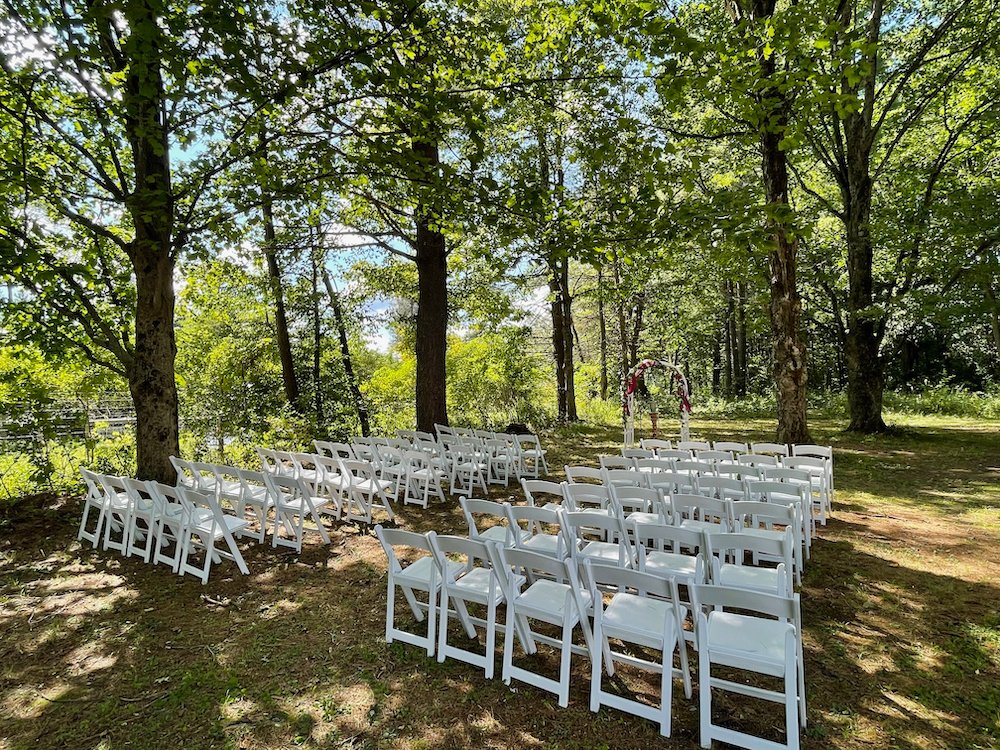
(901, 603)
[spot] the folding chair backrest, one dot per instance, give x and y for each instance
(533, 488)
(631, 498)
(701, 508)
(815, 451)
(726, 597)
(578, 474)
(625, 477)
(815, 466)
(759, 513)
(269, 461)
(581, 524)
(654, 464)
(674, 454)
(577, 495)
(694, 445)
(778, 449)
(534, 562)
(392, 538)
(284, 485)
(473, 550)
(654, 444)
(678, 537)
(701, 468)
(731, 446)
(637, 453)
(757, 459)
(472, 508)
(735, 546)
(737, 471)
(672, 482)
(783, 474)
(93, 482)
(615, 462)
(713, 455)
(334, 450)
(186, 473)
(723, 488)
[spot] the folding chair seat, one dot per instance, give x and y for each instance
(590, 498)
(535, 488)
(598, 538)
(293, 505)
(209, 530)
(662, 553)
(420, 575)
(554, 596)
(625, 477)
(637, 453)
(366, 493)
(423, 477)
(615, 462)
(643, 611)
(500, 532)
(97, 500)
(654, 444)
(117, 513)
(481, 580)
(795, 499)
(767, 642)
(538, 523)
(776, 449)
(532, 456)
(702, 513)
(731, 446)
(583, 474)
(817, 468)
(693, 445)
(727, 554)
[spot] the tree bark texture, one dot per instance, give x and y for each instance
(345, 356)
(558, 339)
(431, 255)
(566, 300)
(603, 325)
(288, 378)
(151, 376)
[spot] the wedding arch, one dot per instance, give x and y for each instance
(631, 383)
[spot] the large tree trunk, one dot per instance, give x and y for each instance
(345, 356)
(288, 377)
(789, 351)
(431, 255)
(151, 375)
(864, 366)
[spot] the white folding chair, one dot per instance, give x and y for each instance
(534, 488)
(592, 498)
(818, 469)
(625, 477)
(758, 460)
(727, 554)
(637, 453)
(818, 451)
(703, 514)
(334, 450)
(293, 505)
(777, 449)
(208, 529)
(117, 514)
(615, 462)
(423, 477)
(723, 488)
(96, 499)
(583, 474)
(366, 493)
(538, 525)
(795, 498)
(767, 642)
(693, 445)
(641, 505)
(468, 469)
(500, 531)
(643, 611)
(654, 444)
(171, 517)
(479, 581)
(532, 456)
(673, 482)
(254, 496)
(502, 460)
(139, 541)
(730, 446)
(555, 596)
(597, 538)
(420, 575)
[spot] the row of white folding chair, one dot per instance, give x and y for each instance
(243, 489)
(147, 516)
(644, 609)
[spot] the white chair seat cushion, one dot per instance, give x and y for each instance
(532, 452)
(418, 575)
(300, 506)
(639, 619)
(708, 526)
(643, 517)
(231, 488)
(671, 564)
(545, 600)
(766, 580)
(367, 486)
(764, 533)
(475, 586)
(746, 642)
(206, 525)
(500, 534)
(545, 544)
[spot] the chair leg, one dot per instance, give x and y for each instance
(443, 628)
(564, 663)
(666, 689)
(508, 645)
(705, 697)
(491, 637)
(390, 610)
(432, 602)
(596, 667)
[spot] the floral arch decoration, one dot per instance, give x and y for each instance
(631, 384)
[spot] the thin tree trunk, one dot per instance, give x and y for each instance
(345, 355)
(432, 305)
(622, 321)
(317, 341)
(633, 346)
(740, 348)
(558, 340)
(603, 332)
(288, 377)
(991, 295)
(567, 334)
(716, 362)
(727, 339)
